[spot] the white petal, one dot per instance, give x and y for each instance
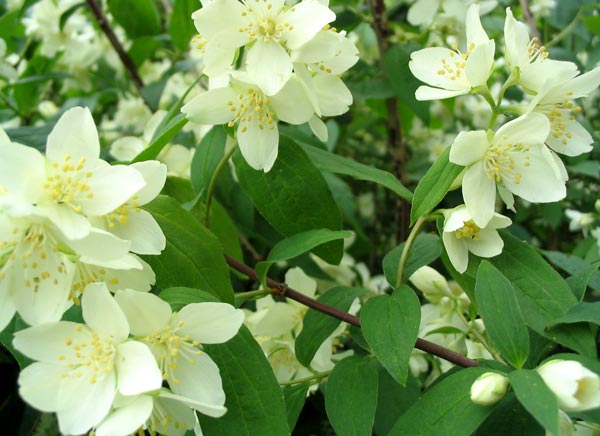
(219, 16)
(333, 95)
(479, 193)
(100, 246)
(213, 410)
(279, 320)
(102, 313)
(39, 383)
(422, 12)
(72, 224)
(469, 147)
(48, 342)
(489, 244)
(516, 40)
(305, 19)
(74, 134)
(319, 128)
(169, 404)
(146, 313)
(22, 172)
(428, 93)
(479, 64)
(258, 146)
(291, 104)
(579, 142)
(269, 66)
(155, 175)
(475, 31)
(528, 129)
(211, 323)
(457, 219)
(457, 250)
(143, 231)
(127, 148)
(139, 279)
(137, 369)
(210, 107)
(426, 63)
(127, 419)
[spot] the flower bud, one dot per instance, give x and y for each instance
(576, 387)
(489, 388)
(431, 283)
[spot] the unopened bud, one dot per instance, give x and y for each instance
(489, 388)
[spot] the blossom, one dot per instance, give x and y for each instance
(461, 235)
(269, 30)
(576, 387)
(175, 340)
(489, 388)
(431, 283)
(256, 115)
(451, 72)
(580, 221)
(514, 159)
(80, 368)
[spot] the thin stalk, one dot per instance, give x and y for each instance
(251, 294)
(213, 182)
(315, 377)
(406, 249)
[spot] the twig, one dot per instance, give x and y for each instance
(284, 290)
(125, 59)
(530, 20)
(393, 122)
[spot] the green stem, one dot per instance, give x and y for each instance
(407, 246)
(213, 182)
(479, 337)
(566, 30)
(251, 294)
(315, 377)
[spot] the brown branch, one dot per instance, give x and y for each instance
(125, 59)
(285, 291)
(530, 20)
(393, 123)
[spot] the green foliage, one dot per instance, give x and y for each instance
(424, 251)
(181, 27)
(138, 17)
(294, 401)
(206, 158)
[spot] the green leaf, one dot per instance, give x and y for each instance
(582, 312)
(254, 400)
(226, 231)
(6, 338)
(178, 297)
(574, 265)
(193, 256)
(318, 326)
(501, 314)
(181, 26)
(293, 197)
(434, 185)
(296, 245)
(510, 418)
(143, 49)
(138, 17)
(390, 325)
(543, 295)
(351, 396)
(332, 163)
(580, 281)
(206, 158)
(393, 399)
(294, 401)
(445, 408)
(536, 398)
(162, 136)
(425, 250)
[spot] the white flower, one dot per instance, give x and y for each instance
(515, 159)
(70, 182)
(176, 338)
(80, 368)
(579, 221)
(255, 114)
(576, 387)
(269, 30)
(461, 235)
(450, 72)
(489, 388)
(431, 283)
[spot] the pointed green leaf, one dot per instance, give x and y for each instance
(390, 325)
(138, 17)
(510, 418)
(582, 312)
(295, 396)
(162, 137)
(181, 25)
(351, 396)
(501, 314)
(179, 296)
(425, 250)
(206, 158)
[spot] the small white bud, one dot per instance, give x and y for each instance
(431, 283)
(576, 387)
(489, 388)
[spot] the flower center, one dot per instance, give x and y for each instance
(251, 107)
(67, 181)
(499, 162)
(121, 214)
(468, 230)
(93, 358)
(454, 67)
(536, 51)
(559, 115)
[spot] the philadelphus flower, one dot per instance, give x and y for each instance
(176, 340)
(80, 368)
(576, 387)
(450, 72)
(489, 388)
(255, 114)
(514, 159)
(431, 283)
(461, 235)
(269, 29)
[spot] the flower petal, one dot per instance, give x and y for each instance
(304, 21)
(127, 148)
(137, 369)
(578, 140)
(529, 129)
(39, 383)
(127, 419)
(74, 134)
(146, 313)
(211, 323)
(457, 250)
(291, 104)
(469, 147)
(210, 107)
(427, 65)
(479, 193)
(269, 66)
(48, 342)
(143, 231)
(100, 246)
(102, 313)
(258, 146)
(475, 31)
(155, 175)
(489, 243)
(479, 63)
(428, 93)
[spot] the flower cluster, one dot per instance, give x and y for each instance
(289, 60)
(519, 157)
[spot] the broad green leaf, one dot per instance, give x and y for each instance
(6, 338)
(332, 163)
(393, 399)
(574, 265)
(179, 296)
(294, 401)
(351, 396)
(206, 158)
(536, 398)
(143, 48)
(425, 250)
(582, 312)
(254, 400)
(542, 293)
(390, 324)
(434, 185)
(510, 418)
(193, 256)
(580, 281)
(318, 326)
(293, 197)
(445, 408)
(226, 231)
(162, 136)
(296, 245)
(181, 26)
(138, 17)
(501, 314)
